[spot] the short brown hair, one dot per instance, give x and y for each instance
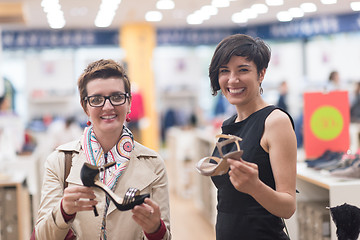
(253, 49)
(101, 69)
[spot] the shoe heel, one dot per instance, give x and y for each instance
(90, 177)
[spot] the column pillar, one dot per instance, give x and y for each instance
(139, 40)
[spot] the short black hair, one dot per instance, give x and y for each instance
(254, 49)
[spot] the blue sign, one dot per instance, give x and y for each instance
(301, 28)
(65, 38)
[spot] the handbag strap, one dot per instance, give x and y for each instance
(68, 160)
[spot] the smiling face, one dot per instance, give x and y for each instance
(239, 81)
(108, 119)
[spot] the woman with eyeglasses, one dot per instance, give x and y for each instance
(128, 194)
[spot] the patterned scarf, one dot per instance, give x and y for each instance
(95, 155)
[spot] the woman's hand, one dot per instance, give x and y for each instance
(147, 215)
(78, 198)
(244, 175)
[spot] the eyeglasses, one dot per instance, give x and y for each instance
(115, 99)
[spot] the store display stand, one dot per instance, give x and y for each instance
(15, 217)
(314, 185)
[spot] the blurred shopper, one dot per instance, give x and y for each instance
(333, 83)
(106, 98)
(62, 131)
(259, 188)
(282, 101)
(355, 105)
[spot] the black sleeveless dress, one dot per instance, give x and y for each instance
(239, 215)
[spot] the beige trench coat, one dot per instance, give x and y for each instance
(146, 171)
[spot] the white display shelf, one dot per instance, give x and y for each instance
(319, 186)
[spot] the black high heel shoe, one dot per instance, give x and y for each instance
(90, 177)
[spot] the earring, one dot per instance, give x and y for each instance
(261, 90)
(88, 123)
(128, 119)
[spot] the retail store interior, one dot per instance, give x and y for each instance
(174, 112)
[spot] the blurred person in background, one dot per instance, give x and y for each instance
(282, 101)
(259, 188)
(62, 131)
(333, 83)
(105, 96)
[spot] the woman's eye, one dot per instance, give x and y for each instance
(97, 100)
(117, 97)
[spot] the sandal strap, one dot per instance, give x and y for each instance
(130, 195)
(229, 139)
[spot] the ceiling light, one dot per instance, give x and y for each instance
(296, 12)
(249, 13)
(239, 18)
(153, 16)
(54, 14)
(165, 4)
(284, 16)
(260, 8)
(56, 20)
(274, 2)
(308, 7)
(106, 13)
(209, 9)
(328, 1)
(220, 3)
(194, 19)
(355, 6)
(202, 14)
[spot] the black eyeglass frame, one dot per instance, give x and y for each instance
(127, 96)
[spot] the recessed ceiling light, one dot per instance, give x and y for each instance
(328, 1)
(308, 7)
(54, 14)
(203, 15)
(220, 3)
(284, 16)
(211, 10)
(194, 19)
(153, 16)
(355, 6)
(296, 12)
(274, 2)
(165, 4)
(239, 18)
(249, 13)
(260, 8)
(106, 13)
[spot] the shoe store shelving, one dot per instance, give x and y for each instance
(317, 186)
(15, 210)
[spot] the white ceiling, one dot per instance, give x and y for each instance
(82, 13)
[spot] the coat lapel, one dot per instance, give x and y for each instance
(137, 175)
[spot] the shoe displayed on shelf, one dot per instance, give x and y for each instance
(352, 171)
(90, 177)
(327, 156)
(220, 166)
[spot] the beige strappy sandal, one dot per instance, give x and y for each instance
(207, 168)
